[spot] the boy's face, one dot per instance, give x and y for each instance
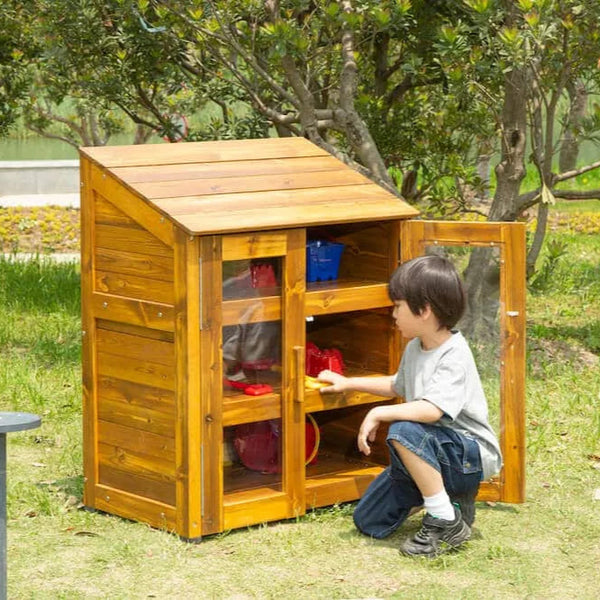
(409, 324)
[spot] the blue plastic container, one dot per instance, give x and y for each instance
(323, 260)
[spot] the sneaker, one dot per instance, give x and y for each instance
(437, 535)
(466, 503)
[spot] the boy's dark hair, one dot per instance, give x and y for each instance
(430, 280)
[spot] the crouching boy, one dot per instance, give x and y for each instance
(441, 444)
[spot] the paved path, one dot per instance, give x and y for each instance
(56, 257)
(31, 200)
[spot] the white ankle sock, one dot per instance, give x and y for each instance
(439, 506)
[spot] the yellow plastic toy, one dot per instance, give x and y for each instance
(312, 383)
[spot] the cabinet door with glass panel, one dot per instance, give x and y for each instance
(261, 346)
(491, 258)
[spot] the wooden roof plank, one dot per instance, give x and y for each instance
(215, 170)
(253, 219)
(259, 183)
(201, 152)
(295, 198)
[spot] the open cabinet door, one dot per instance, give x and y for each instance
(501, 354)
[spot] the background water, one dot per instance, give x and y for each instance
(40, 148)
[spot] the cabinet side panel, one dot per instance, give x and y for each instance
(127, 202)
(130, 261)
(131, 295)
(136, 414)
(90, 459)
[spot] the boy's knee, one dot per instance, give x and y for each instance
(407, 434)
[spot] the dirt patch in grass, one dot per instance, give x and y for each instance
(41, 230)
(544, 351)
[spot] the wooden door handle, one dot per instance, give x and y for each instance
(299, 356)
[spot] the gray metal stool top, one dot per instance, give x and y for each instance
(9, 422)
(18, 421)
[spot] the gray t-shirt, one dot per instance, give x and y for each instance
(447, 377)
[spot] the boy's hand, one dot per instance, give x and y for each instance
(339, 382)
(368, 431)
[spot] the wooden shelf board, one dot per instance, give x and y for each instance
(240, 482)
(239, 408)
(322, 298)
(329, 297)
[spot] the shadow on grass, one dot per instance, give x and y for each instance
(70, 486)
(587, 335)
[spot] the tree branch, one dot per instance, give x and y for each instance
(575, 172)
(349, 66)
(51, 136)
(228, 39)
(538, 237)
(525, 201)
(577, 195)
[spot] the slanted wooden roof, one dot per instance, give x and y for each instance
(247, 185)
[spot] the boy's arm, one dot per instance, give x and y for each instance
(420, 411)
(378, 386)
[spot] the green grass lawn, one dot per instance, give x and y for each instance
(546, 548)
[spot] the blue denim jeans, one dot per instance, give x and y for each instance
(390, 497)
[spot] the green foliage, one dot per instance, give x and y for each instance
(555, 250)
(39, 285)
(15, 52)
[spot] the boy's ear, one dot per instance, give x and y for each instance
(426, 311)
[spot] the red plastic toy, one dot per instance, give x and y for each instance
(250, 389)
(258, 445)
(318, 360)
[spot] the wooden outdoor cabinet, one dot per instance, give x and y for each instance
(174, 237)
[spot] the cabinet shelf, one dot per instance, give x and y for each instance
(239, 408)
(330, 465)
(329, 297)
(322, 298)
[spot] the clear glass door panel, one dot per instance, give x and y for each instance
(252, 374)
(251, 278)
(480, 270)
(252, 456)
(252, 321)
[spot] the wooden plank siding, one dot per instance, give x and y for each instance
(129, 261)
(137, 208)
(136, 461)
(131, 311)
(88, 327)
(135, 506)
(133, 286)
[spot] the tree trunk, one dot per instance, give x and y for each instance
(482, 275)
(569, 148)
